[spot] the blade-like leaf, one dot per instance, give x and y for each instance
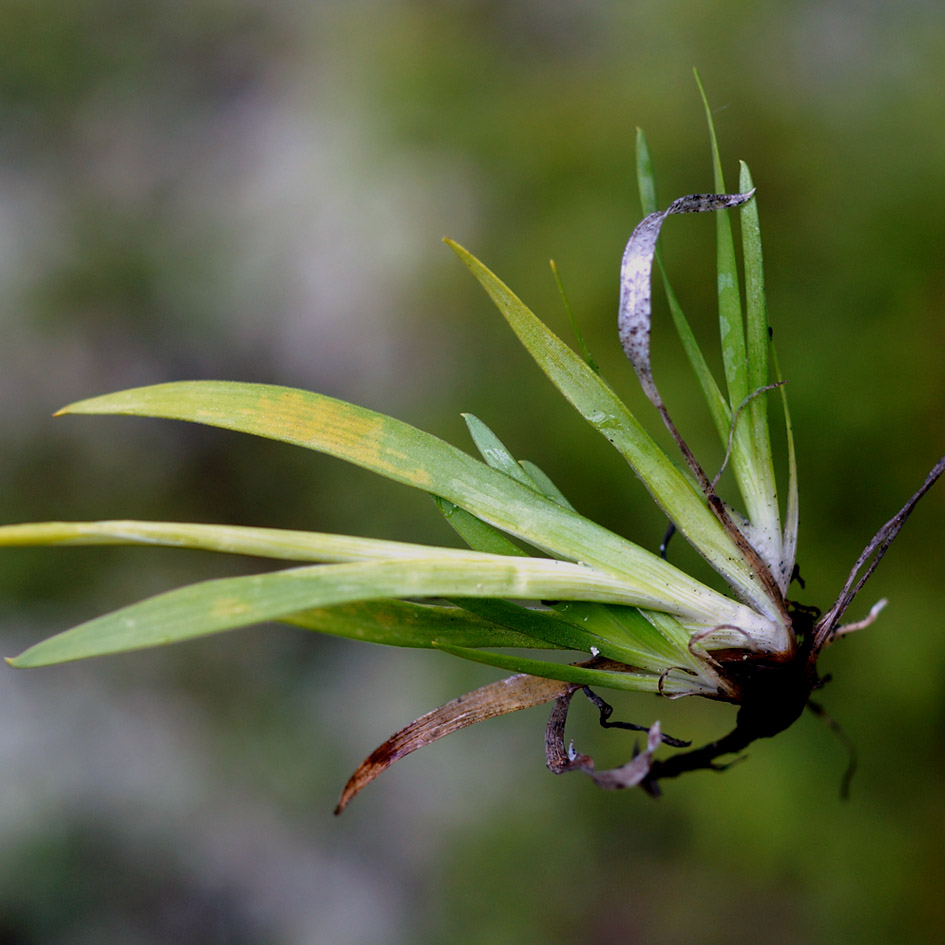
(284, 544)
(750, 458)
(475, 532)
(582, 344)
(646, 175)
(405, 623)
(494, 451)
(597, 634)
(730, 306)
(544, 484)
(601, 407)
(763, 510)
(791, 512)
(671, 684)
(756, 312)
(227, 603)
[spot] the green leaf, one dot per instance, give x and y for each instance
(405, 623)
(227, 603)
(475, 532)
(750, 456)
(589, 636)
(646, 176)
(494, 451)
(283, 544)
(544, 484)
(756, 310)
(634, 630)
(584, 676)
(730, 306)
(791, 518)
(601, 407)
(765, 513)
(582, 344)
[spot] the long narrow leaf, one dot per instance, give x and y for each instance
(635, 275)
(766, 512)
(544, 484)
(593, 636)
(730, 306)
(494, 451)
(634, 682)
(227, 603)
(284, 544)
(405, 623)
(756, 311)
(751, 471)
(791, 512)
(601, 407)
(475, 532)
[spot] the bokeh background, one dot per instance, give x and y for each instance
(256, 190)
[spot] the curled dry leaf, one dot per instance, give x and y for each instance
(633, 321)
(499, 698)
(561, 758)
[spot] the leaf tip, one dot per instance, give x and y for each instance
(460, 251)
(77, 406)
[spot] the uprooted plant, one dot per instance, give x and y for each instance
(645, 624)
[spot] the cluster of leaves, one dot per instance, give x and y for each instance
(538, 577)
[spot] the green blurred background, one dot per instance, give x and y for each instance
(256, 190)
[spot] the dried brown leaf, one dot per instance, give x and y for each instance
(498, 698)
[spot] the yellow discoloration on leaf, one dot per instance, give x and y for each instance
(340, 429)
(225, 608)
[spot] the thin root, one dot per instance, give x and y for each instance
(867, 621)
(607, 710)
